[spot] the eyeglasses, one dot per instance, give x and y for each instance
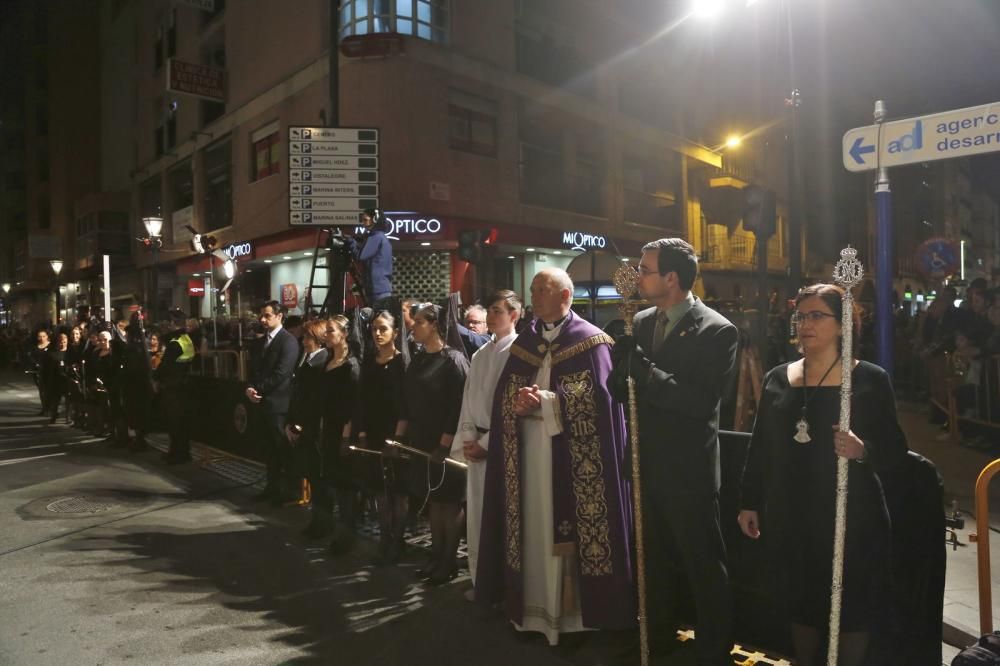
(813, 317)
(474, 322)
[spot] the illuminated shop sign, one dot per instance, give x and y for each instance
(408, 223)
(241, 250)
(577, 240)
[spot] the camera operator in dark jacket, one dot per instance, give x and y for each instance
(374, 250)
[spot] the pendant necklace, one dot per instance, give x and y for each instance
(802, 425)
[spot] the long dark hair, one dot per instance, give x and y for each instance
(833, 297)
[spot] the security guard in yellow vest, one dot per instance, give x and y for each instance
(171, 377)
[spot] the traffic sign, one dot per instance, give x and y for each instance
(331, 203)
(332, 190)
(333, 174)
(322, 218)
(324, 162)
(956, 133)
(332, 134)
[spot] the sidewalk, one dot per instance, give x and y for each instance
(959, 467)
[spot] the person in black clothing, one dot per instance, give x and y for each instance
(75, 380)
(305, 414)
(101, 375)
(789, 484)
(39, 360)
(432, 391)
(136, 384)
(57, 377)
(332, 469)
(273, 360)
(385, 477)
(171, 381)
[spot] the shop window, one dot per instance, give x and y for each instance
(472, 124)
(218, 166)
(425, 19)
(265, 159)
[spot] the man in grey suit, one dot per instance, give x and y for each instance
(681, 357)
(273, 363)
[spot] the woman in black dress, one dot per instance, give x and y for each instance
(57, 376)
(789, 483)
(381, 403)
(332, 469)
(38, 358)
(305, 414)
(432, 401)
(74, 362)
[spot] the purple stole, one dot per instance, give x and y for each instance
(592, 508)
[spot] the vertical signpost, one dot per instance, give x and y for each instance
(332, 175)
(957, 133)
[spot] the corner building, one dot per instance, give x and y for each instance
(508, 118)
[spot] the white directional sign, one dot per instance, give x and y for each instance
(940, 136)
(332, 190)
(332, 175)
(322, 218)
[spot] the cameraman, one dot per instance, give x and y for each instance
(374, 251)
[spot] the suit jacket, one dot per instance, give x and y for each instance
(679, 400)
(272, 368)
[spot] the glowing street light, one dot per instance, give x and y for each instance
(734, 141)
(56, 265)
(708, 9)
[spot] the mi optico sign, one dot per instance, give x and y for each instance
(239, 251)
(408, 223)
(577, 240)
(939, 136)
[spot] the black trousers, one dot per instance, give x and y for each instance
(275, 449)
(174, 401)
(683, 540)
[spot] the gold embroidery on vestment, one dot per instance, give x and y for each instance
(582, 346)
(526, 356)
(512, 470)
(587, 471)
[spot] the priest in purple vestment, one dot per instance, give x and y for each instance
(556, 537)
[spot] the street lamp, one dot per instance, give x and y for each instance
(6, 287)
(153, 241)
(57, 265)
(734, 141)
(707, 9)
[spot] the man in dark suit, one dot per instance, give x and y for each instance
(681, 357)
(273, 362)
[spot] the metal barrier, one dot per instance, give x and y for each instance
(224, 364)
(982, 540)
(944, 376)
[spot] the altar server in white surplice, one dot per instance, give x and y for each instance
(503, 311)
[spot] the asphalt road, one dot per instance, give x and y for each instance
(108, 557)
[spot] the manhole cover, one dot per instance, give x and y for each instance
(80, 505)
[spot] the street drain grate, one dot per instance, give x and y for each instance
(80, 505)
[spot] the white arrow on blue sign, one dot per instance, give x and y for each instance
(957, 133)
